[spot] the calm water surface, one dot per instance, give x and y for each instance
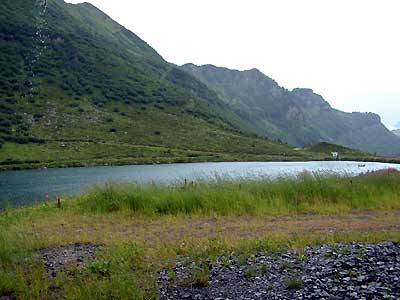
(23, 187)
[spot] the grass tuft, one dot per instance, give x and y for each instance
(294, 283)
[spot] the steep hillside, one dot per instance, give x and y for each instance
(75, 86)
(299, 117)
(397, 132)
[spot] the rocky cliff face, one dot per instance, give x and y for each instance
(307, 98)
(298, 117)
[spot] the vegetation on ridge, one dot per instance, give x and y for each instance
(299, 117)
(71, 75)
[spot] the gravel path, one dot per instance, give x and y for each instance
(341, 271)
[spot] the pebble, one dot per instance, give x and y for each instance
(59, 258)
(339, 271)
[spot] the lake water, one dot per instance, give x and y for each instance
(23, 187)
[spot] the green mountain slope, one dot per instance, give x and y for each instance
(327, 149)
(299, 117)
(71, 78)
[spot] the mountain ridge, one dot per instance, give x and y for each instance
(298, 117)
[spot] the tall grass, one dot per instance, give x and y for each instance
(307, 193)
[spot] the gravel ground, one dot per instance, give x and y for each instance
(8, 297)
(341, 271)
(60, 258)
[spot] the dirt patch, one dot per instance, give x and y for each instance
(67, 257)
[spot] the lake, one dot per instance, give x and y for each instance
(24, 187)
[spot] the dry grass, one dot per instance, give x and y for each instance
(65, 227)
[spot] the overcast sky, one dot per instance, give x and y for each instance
(346, 50)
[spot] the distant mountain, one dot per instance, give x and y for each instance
(299, 117)
(70, 73)
(396, 132)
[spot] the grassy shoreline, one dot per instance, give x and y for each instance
(144, 229)
(84, 154)
(305, 193)
(23, 165)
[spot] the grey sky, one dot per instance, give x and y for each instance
(346, 50)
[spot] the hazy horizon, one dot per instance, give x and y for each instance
(345, 51)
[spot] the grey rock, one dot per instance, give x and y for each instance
(340, 271)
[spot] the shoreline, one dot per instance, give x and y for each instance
(45, 184)
(175, 160)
